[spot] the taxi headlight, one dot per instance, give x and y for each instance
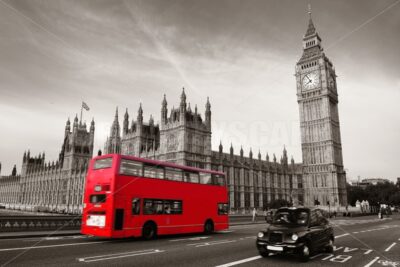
(260, 234)
(294, 237)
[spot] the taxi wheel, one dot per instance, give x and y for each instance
(329, 247)
(305, 253)
(264, 254)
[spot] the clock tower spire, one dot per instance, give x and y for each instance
(324, 176)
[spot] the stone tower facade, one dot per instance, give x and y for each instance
(58, 185)
(182, 136)
(323, 173)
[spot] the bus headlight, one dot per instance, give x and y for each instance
(97, 188)
(295, 237)
(260, 234)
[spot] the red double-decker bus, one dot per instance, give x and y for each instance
(131, 197)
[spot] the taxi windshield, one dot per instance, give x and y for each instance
(291, 217)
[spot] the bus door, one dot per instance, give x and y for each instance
(119, 213)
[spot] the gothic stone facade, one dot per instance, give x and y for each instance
(57, 186)
(184, 138)
(324, 176)
(10, 187)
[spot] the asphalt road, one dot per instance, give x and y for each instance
(359, 242)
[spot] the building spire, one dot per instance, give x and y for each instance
(140, 114)
(310, 29)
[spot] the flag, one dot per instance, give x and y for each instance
(85, 106)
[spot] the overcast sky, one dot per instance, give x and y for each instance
(242, 54)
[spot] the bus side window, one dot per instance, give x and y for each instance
(218, 179)
(223, 209)
(176, 207)
(191, 177)
(205, 178)
(135, 206)
(173, 174)
(130, 167)
(158, 206)
(148, 207)
(150, 171)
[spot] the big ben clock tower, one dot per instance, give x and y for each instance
(324, 176)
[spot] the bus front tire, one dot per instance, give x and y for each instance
(149, 231)
(209, 227)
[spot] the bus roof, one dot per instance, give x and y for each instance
(161, 163)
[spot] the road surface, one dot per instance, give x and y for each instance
(359, 242)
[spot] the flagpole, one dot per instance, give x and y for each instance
(81, 113)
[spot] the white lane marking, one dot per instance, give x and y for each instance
(119, 255)
(225, 231)
(115, 254)
(53, 246)
(190, 239)
(215, 243)
(338, 236)
(240, 261)
(389, 247)
(368, 251)
(371, 262)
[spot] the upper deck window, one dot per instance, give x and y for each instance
(153, 171)
(218, 179)
(173, 174)
(205, 178)
(130, 167)
(102, 163)
(139, 169)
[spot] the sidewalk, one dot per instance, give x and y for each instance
(13, 235)
(54, 233)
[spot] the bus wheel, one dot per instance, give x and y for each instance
(149, 231)
(208, 227)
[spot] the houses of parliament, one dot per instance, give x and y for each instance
(183, 136)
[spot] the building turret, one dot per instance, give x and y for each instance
(14, 171)
(24, 158)
(220, 148)
(140, 115)
(292, 160)
(259, 154)
(231, 150)
(274, 158)
(164, 110)
(208, 114)
(241, 151)
(182, 107)
(267, 157)
(75, 123)
(92, 128)
(67, 127)
(251, 154)
(126, 123)
(151, 120)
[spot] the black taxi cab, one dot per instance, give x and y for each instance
(300, 231)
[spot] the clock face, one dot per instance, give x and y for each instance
(310, 80)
